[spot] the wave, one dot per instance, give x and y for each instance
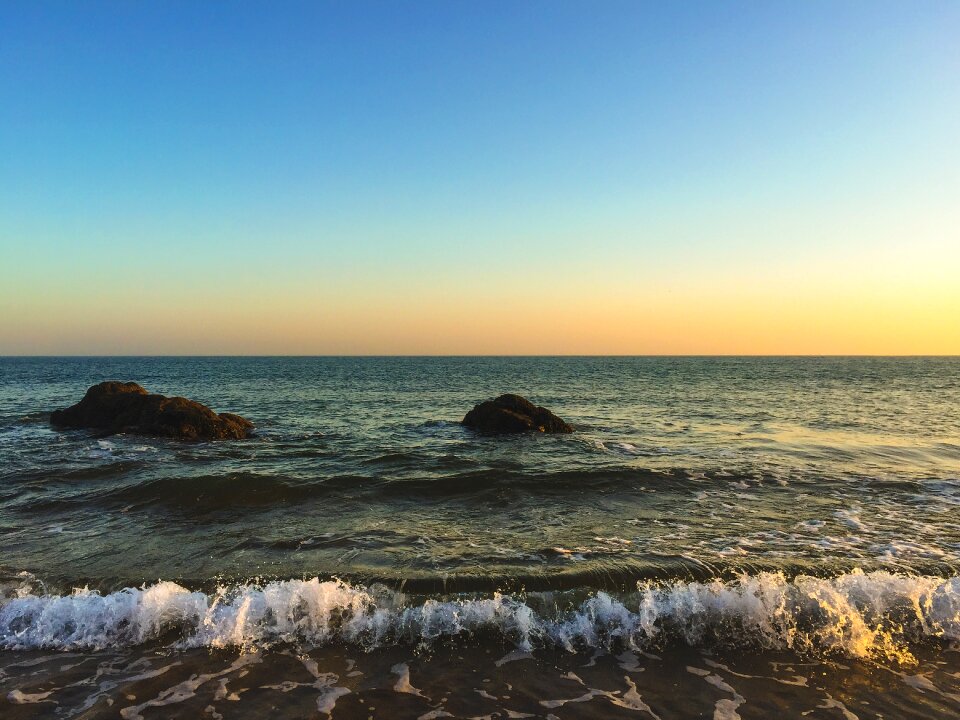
(245, 488)
(877, 615)
(238, 488)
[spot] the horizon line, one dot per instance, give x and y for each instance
(493, 355)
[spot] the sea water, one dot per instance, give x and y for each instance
(726, 537)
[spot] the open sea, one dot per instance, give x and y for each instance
(720, 538)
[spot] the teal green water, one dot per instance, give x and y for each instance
(679, 466)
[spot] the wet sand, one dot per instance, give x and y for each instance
(470, 682)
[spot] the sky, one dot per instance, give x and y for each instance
(479, 177)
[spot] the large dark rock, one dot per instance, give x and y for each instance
(513, 414)
(126, 407)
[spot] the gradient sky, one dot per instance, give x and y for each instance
(479, 177)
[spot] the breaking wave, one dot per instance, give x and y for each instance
(876, 615)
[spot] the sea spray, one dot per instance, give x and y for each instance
(876, 615)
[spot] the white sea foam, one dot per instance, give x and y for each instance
(877, 615)
(89, 620)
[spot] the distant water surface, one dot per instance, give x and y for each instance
(794, 505)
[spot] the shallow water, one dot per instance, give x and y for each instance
(773, 513)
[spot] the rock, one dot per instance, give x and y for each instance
(126, 407)
(513, 414)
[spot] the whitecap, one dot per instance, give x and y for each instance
(870, 615)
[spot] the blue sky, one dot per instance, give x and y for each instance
(348, 156)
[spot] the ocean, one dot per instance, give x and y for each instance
(720, 537)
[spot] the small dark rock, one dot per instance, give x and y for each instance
(513, 414)
(126, 407)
